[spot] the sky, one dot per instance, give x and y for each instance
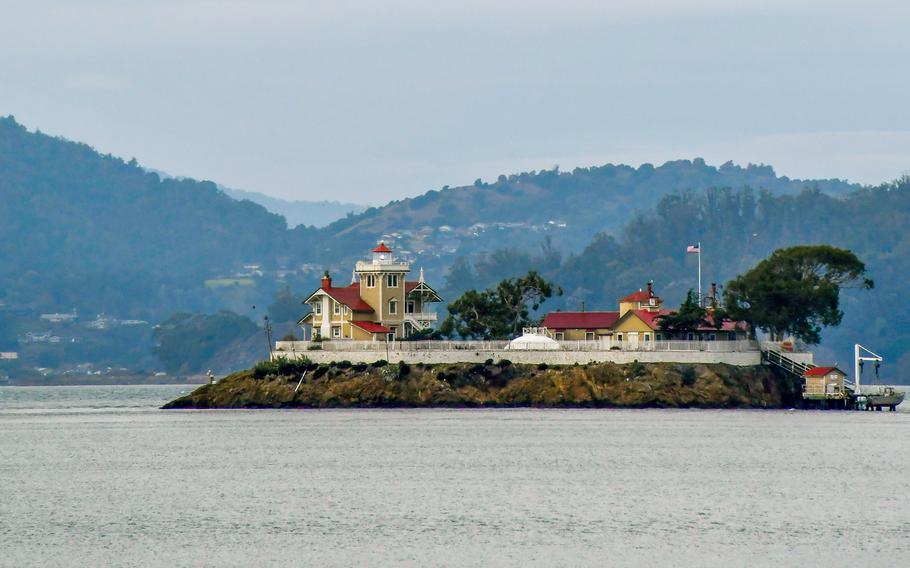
(369, 101)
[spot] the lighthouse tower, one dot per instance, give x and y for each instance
(382, 286)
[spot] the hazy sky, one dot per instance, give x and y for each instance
(370, 101)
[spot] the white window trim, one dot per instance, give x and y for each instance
(317, 308)
(336, 308)
(371, 280)
(336, 331)
(390, 278)
(393, 307)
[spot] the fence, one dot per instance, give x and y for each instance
(595, 345)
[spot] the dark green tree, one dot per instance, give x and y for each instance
(795, 291)
(689, 317)
(500, 312)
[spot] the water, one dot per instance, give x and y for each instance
(95, 476)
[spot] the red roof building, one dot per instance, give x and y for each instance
(379, 304)
(638, 321)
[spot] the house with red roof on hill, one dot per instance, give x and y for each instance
(636, 324)
(379, 304)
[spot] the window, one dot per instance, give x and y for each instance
(317, 307)
(560, 336)
(393, 280)
(337, 307)
(712, 337)
(589, 336)
(409, 307)
(393, 307)
(690, 336)
(336, 331)
(371, 280)
(619, 337)
(647, 337)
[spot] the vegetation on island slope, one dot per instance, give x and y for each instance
(636, 385)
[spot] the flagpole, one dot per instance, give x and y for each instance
(700, 303)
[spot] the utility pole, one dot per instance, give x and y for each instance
(268, 335)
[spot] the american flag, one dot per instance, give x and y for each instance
(693, 248)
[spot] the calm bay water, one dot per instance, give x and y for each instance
(96, 476)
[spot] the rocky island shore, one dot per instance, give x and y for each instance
(302, 384)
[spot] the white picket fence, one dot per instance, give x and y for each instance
(595, 345)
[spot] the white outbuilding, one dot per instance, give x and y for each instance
(534, 339)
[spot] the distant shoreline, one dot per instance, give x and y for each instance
(111, 380)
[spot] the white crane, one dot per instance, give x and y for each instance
(861, 355)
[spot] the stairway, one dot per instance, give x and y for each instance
(781, 361)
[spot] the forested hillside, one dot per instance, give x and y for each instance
(83, 231)
(568, 207)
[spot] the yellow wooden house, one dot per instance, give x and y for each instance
(379, 304)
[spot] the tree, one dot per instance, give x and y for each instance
(689, 317)
(795, 291)
(500, 312)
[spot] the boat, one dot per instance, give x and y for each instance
(885, 397)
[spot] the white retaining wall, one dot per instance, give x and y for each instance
(429, 357)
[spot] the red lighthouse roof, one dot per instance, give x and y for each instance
(382, 248)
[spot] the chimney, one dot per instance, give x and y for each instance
(650, 288)
(326, 280)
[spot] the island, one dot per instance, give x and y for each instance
(496, 384)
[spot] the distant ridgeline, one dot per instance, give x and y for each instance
(95, 233)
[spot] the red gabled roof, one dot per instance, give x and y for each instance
(409, 286)
(821, 371)
(371, 327)
(580, 320)
(350, 297)
(652, 319)
(382, 248)
(640, 296)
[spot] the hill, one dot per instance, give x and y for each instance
(299, 212)
(523, 209)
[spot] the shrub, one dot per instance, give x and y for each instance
(321, 370)
(314, 347)
(290, 337)
(359, 367)
(380, 363)
(689, 376)
(344, 365)
(543, 367)
(637, 369)
(403, 369)
(488, 362)
(503, 363)
(280, 366)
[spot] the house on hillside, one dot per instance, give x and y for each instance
(636, 323)
(379, 304)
